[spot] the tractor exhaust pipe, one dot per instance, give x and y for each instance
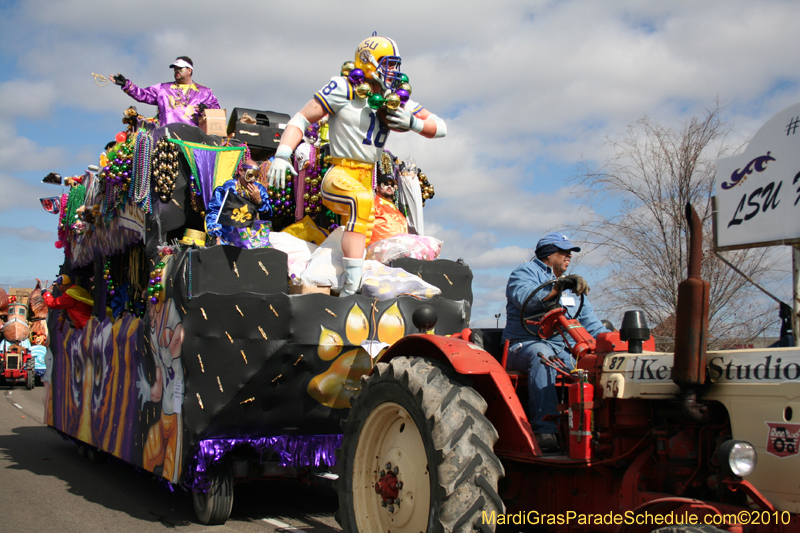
(691, 329)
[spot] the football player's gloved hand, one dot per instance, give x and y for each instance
(143, 387)
(119, 79)
(402, 119)
(280, 164)
(573, 283)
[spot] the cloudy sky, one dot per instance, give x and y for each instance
(528, 89)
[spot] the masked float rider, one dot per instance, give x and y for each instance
(357, 137)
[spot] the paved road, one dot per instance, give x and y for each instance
(45, 486)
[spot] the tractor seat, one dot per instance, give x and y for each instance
(514, 375)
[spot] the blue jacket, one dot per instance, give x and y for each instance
(215, 204)
(523, 280)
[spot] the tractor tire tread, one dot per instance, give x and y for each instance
(467, 468)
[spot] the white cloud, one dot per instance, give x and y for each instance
(19, 194)
(28, 233)
(528, 88)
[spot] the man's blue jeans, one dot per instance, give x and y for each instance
(541, 379)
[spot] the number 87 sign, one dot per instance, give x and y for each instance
(757, 193)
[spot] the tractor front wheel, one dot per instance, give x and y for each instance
(417, 454)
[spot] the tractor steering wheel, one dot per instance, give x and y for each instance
(547, 307)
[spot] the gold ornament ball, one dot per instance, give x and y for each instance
(347, 66)
(362, 90)
(423, 177)
(393, 101)
(406, 86)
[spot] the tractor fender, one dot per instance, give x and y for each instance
(463, 356)
(490, 379)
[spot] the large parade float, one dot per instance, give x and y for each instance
(205, 363)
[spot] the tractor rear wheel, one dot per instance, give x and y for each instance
(417, 454)
(30, 381)
(214, 507)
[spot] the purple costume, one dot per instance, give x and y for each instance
(173, 104)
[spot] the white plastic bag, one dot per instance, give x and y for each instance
(325, 267)
(411, 195)
(383, 282)
(298, 250)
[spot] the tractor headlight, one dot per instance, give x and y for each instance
(737, 458)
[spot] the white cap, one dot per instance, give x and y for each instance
(180, 63)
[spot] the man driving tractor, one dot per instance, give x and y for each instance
(553, 255)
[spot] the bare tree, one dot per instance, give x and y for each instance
(654, 172)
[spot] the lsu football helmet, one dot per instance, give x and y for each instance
(379, 58)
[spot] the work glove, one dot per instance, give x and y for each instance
(280, 164)
(119, 79)
(402, 119)
(573, 283)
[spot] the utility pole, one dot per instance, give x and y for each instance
(796, 294)
(497, 315)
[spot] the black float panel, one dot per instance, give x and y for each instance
(452, 277)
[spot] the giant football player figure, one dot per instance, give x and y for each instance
(357, 135)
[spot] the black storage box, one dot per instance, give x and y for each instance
(263, 136)
(452, 277)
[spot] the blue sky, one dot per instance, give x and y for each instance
(528, 90)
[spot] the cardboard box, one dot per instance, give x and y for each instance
(308, 289)
(214, 122)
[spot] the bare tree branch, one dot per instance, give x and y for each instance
(654, 172)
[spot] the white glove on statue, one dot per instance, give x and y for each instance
(402, 119)
(280, 164)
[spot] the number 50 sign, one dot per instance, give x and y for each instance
(757, 200)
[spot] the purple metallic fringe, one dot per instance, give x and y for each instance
(292, 450)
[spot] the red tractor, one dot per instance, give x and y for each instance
(16, 364)
(438, 440)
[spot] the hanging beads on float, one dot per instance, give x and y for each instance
(164, 168)
(155, 287)
(425, 186)
(117, 170)
(110, 285)
(282, 200)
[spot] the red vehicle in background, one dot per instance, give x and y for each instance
(16, 360)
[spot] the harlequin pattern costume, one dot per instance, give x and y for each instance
(230, 235)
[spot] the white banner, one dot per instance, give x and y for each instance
(758, 191)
